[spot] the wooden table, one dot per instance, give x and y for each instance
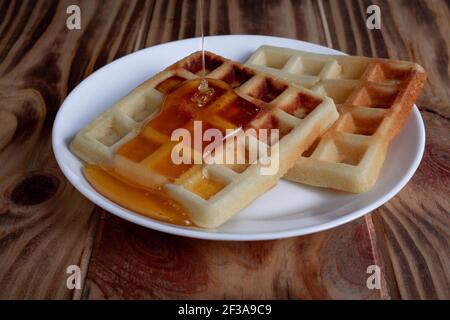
(46, 225)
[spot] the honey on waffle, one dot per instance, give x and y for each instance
(151, 148)
(128, 148)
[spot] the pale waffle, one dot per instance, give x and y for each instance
(211, 194)
(374, 98)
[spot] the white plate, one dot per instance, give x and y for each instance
(287, 210)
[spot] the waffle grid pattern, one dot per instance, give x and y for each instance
(210, 193)
(373, 97)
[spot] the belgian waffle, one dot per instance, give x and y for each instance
(211, 193)
(374, 98)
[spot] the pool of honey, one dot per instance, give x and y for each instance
(150, 149)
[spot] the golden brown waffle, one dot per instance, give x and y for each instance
(133, 136)
(374, 98)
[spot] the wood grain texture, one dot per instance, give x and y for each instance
(131, 262)
(172, 20)
(414, 227)
(46, 225)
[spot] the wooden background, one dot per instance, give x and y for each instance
(46, 225)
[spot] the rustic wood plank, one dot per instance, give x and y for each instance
(413, 228)
(45, 224)
(133, 262)
(172, 20)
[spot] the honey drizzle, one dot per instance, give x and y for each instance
(154, 204)
(204, 91)
(203, 40)
(177, 111)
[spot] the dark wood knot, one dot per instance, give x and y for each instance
(34, 189)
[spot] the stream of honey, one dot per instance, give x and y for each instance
(126, 183)
(204, 91)
(202, 34)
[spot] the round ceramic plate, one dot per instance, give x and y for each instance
(287, 210)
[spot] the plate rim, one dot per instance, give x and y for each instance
(211, 234)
